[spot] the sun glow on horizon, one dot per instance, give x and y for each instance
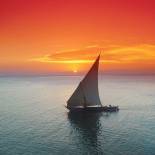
(75, 71)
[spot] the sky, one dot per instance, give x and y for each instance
(65, 36)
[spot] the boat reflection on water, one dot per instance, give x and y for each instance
(87, 127)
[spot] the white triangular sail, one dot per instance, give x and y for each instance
(86, 94)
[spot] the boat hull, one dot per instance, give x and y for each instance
(95, 109)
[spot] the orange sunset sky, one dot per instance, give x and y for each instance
(65, 36)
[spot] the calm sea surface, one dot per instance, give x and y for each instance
(34, 121)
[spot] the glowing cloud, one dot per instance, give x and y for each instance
(124, 54)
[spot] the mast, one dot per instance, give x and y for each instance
(85, 101)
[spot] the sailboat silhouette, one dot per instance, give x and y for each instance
(86, 96)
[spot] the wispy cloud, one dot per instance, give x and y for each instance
(110, 54)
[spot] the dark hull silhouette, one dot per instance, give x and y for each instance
(95, 109)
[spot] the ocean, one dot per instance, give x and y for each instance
(34, 120)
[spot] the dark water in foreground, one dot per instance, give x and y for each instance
(33, 119)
